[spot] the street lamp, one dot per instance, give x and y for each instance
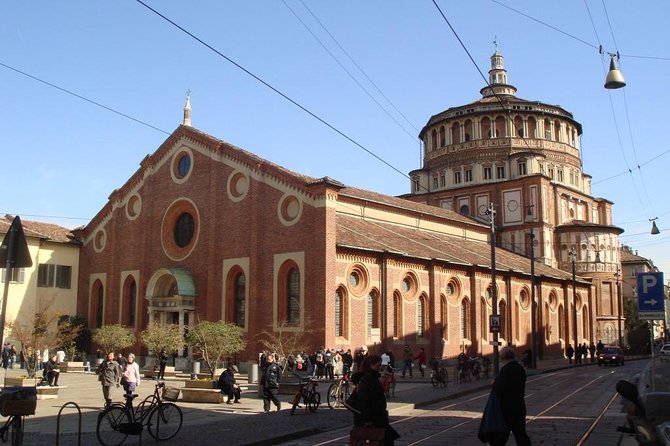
(494, 289)
(573, 257)
(533, 328)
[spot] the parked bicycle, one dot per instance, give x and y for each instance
(338, 392)
(308, 393)
(162, 419)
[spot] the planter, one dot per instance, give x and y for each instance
(199, 384)
(23, 382)
(71, 366)
(201, 396)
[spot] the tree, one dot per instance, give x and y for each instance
(34, 331)
(215, 341)
(159, 336)
(72, 335)
(114, 337)
(286, 340)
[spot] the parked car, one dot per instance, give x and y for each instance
(665, 350)
(611, 355)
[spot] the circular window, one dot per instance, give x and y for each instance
(133, 206)
(238, 186)
(182, 165)
(289, 210)
(512, 205)
(358, 280)
(409, 285)
(183, 230)
(553, 301)
(100, 240)
(180, 229)
(453, 290)
(524, 299)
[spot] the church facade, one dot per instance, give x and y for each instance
(207, 230)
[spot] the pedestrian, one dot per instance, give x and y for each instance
(592, 350)
(570, 352)
(12, 356)
(162, 363)
(228, 385)
(5, 356)
(108, 375)
(360, 357)
(270, 383)
(338, 364)
(386, 360)
(51, 371)
(407, 361)
(369, 400)
(510, 388)
(600, 346)
(45, 356)
(99, 357)
(421, 361)
(347, 361)
(131, 375)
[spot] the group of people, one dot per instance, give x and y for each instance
(113, 372)
(323, 363)
(581, 352)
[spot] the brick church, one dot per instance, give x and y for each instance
(207, 230)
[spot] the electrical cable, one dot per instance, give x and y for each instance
(325, 48)
(277, 91)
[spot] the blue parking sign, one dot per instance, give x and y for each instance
(650, 295)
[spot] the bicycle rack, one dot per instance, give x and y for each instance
(58, 422)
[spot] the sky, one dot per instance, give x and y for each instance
(90, 87)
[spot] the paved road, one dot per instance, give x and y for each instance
(242, 424)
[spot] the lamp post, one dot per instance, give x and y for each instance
(619, 303)
(494, 290)
(573, 256)
(533, 328)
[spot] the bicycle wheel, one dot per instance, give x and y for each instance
(313, 401)
(109, 421)
(165, 421)
(333, 397)
(433, 379)
(296, 401)
(16, 430)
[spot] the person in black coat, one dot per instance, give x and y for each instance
(510, 387)
(371, 399)
(270, 383)
(228, 384)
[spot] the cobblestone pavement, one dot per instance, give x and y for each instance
(208, 423)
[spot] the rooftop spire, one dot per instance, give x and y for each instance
(187, 109)
(497, 76)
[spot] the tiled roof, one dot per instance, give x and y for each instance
(48, 231)
(355, 232)
(627, 256)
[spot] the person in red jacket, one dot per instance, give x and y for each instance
(421, 360)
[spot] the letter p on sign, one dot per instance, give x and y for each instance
(648, 281)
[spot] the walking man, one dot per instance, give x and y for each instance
(270, 382)
(108, 375)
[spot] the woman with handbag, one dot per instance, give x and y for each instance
(371, 420)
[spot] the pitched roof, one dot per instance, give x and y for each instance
(358, 233)
(37, 229)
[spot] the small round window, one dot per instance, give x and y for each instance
(183, 230)
(354, 279)
(406, 285)
(358, 280)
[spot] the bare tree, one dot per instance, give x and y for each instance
(286, 340)
(35, 331)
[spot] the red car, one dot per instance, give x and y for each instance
(611, 355)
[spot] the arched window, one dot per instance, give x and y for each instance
(483, 321)
(468, 129)
(500, 127)
(518, 126)
(465, 319)
(516, 320)
(293, 296)
(502, 312)
(98, 293)
(433, 139)
(373, 312)
(455, 133)
(532, 127)
(129, 302)
(397, 315)
(561, 322)
(239, 299)
(585, 322)
(444, 317)
(443, 137)
(486, 128)
(340, 312)
(422, 316)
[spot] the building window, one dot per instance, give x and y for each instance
(435, 182)
(560, 175)
(444, 317)
(49, 276)
(415, 184)
(487, 173)
(293, 297)
(457, 177)
(183, 230)
(468, 175)
(373, 312)
(465, 319)
(98, 293)
(500, 172)
(421, 317)
(443, 180)
(340, 311)
(239, 299)
(522, 168)
(502, 313)
(132, 302)
(397, 315)
(18, 275)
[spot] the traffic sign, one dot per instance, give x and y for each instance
(650, 298)
(494, 323)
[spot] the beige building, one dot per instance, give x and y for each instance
(52, 277)
(524, 159)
